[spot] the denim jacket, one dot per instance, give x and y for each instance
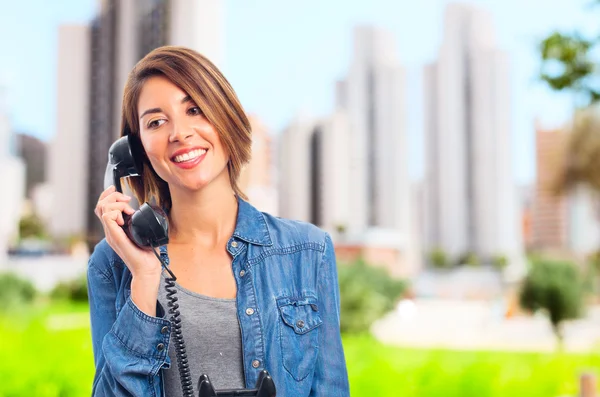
(284, 270)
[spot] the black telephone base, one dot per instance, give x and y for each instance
(265, 387)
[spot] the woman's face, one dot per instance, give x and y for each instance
(182, 146)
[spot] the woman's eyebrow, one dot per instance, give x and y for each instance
(153, 110)
(185, 99)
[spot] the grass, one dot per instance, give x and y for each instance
(46, 352)
(427, 373)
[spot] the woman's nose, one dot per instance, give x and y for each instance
(180, 133)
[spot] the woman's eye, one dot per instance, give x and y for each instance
(155, 123)
(194, 111)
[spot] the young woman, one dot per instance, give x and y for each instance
(255, 292)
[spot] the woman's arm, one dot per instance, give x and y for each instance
(331, 376)
(129, 348)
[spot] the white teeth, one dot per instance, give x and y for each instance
(189, 155)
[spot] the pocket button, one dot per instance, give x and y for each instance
(300, 324)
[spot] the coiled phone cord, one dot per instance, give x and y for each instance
(182, 361)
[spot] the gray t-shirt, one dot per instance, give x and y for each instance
(212, 336)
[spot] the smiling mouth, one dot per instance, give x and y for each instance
(189, 156)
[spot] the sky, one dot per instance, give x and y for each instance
(283, 58)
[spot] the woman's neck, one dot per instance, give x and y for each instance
(206, 217)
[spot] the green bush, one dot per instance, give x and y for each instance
(366, 294)
(73, 290)
(556, 288)
(499, 261)
(31, 226)
(15, 291)
(438, 259)
(468, 259)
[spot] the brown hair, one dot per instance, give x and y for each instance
(208, 88)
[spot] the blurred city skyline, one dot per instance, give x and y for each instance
(304, 49)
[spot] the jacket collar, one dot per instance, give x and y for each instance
(251, 225)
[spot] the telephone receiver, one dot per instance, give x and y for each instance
(147, 227)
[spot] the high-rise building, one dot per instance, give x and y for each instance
(123, 33)
(583, 233)
(314, 183)
(372, 95)
(68, 171)
(295, 170)
(471, 196)
(348, 172)
(549, 210)
(13, 176)
(257, 179)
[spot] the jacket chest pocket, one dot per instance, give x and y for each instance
(299, 335)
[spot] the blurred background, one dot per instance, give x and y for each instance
(451, 149)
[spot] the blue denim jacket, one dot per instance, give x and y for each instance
(285, 270)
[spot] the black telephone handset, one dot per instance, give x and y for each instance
(148, 228)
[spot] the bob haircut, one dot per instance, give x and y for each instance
(212, 93)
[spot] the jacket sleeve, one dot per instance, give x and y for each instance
(129, 347)
(331, 377)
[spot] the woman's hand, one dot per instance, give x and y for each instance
(144, 266)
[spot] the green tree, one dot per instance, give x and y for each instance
(570, 64)
(366, 294)
(556, 288)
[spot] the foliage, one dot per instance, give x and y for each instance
(582, 155)
(439, 259)
(31, 226)
(74, 290)
(366, 294)
(469, 259)
(569, 64)
(555, 287)
(15, 291)
(499, 261)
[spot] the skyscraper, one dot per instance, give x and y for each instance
(68, 171)
(13, 176)
(549, 212)
(471, 202)
(372, 95)
(295, 169)
(257, 179)
(315, 183)
(123, 33)
(348, 172)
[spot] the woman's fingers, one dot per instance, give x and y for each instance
(107, 197)
(115, 236)
(106, 192)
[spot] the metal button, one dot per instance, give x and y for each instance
(164, 330)
(234, 244)
(300, 324)
(160, 347)
(255, 364)
(249, 311)
(242, 273)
